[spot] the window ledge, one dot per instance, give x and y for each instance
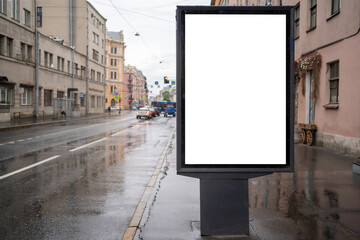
(331, 106)
(310, 29)
(333, 15)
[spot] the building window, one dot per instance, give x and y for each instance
(111, 89)
(51, 60)
(83, 71)
(60, 94)
(334, 82)
(46, 60)
(22, 51)
(115, 49)
(92, 74)
(297, 21)
(39, 17)
(3, 6)
(99, 102)
(29, 53)
(313, 6)
(95, 55)
(27, 17)
(47, 97)
(93, 101)
(82, 100)
(5, 95)
(111, 62)
(115, 62)
(112, 50)
(2, 42)
(98, 77)
(68, 66)
(76, 102)
(26, 96)
(95, 38)
(335, 6)
(76, 67)
(15, 9)
(9, 47)
(60, 62)
(111, 75)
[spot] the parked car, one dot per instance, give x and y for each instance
(157, 111)
(169, 111)
(152, 111)
(143, 112)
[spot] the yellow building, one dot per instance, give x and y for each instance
(115, 86)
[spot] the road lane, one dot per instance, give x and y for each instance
(88, 194)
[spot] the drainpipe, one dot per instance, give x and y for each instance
(37, 34)
(104, 59)
(87, 59)
(71, 45)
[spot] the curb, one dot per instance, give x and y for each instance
(3, 129)
(27, 125)
(136, 218)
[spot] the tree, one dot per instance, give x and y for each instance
(166, 96)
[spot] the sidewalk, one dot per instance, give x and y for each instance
(321, 200)
(29, 122)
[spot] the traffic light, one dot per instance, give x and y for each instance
(166, 80)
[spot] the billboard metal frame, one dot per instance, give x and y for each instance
(239, 171)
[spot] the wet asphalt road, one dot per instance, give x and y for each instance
(94, 175)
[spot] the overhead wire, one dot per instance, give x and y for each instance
(136, 32)
(139, 13)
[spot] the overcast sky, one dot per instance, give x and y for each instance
(154, 52)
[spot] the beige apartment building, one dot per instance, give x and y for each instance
(17, 58)
(115, 85)
(327, 86)
(63, 71)
(81, 27)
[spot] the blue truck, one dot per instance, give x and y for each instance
(169, 111)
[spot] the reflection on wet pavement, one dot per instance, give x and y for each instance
(322, 196)
(88, 194)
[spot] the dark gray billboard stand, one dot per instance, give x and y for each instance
(235, 105)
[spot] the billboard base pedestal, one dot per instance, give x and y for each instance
(224, 207)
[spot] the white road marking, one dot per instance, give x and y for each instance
(29, 138)
(28, 167)
(2, 144)
(21, 140)
(115, 134)
(9, 142)
(72, 150)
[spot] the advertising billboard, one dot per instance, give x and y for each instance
(235, 92)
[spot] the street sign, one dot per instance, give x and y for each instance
(173, 83)
(21, 90)
(156, 83)
(116, 97)
(81, 95)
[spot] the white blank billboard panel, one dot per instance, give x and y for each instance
(235, 92)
